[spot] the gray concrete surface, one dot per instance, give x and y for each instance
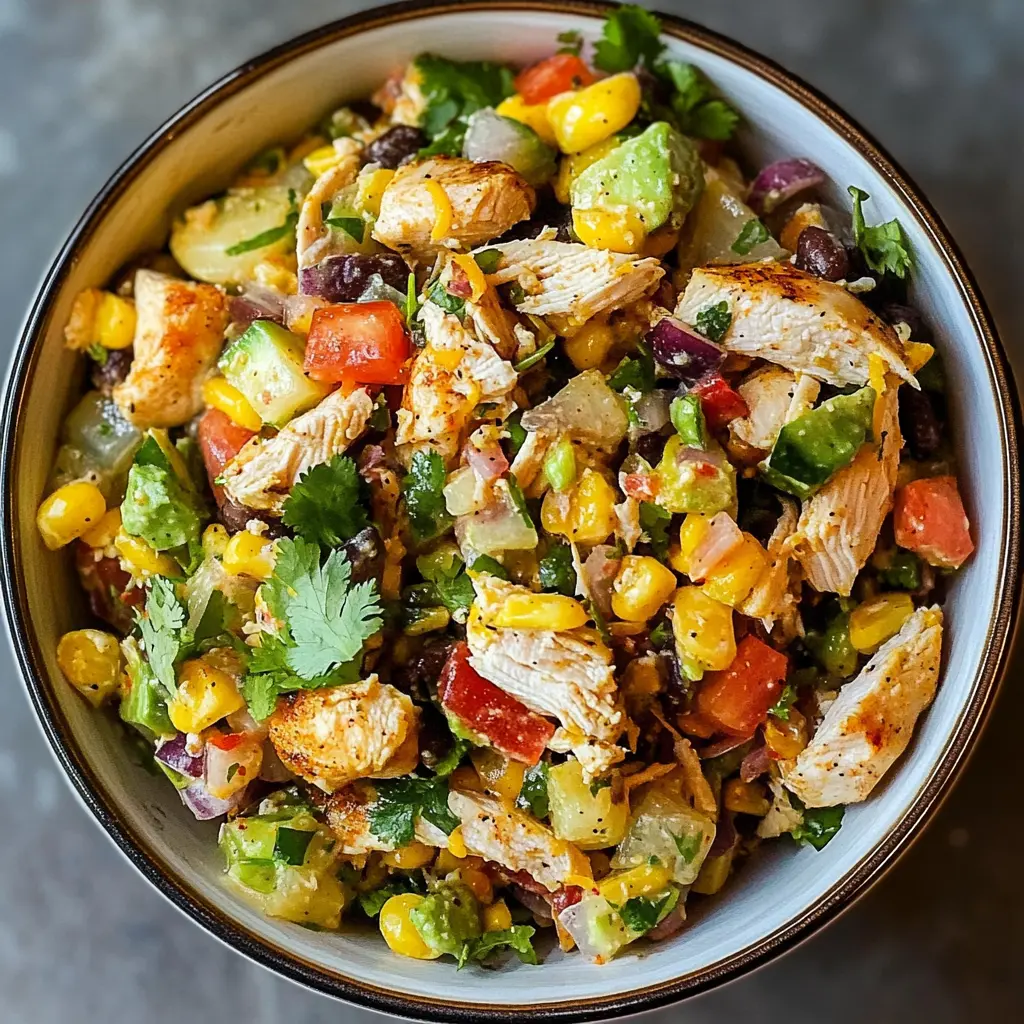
(83, 938)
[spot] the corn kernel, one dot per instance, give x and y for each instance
(91, 660)
(785, 738)
(215, 540)
(677, 560)
(588, 116)
(371, 187)
(541, 611)
(478, 882)
(571, 167)
(592, 518)
(502, 775)
(115, 321)
(219, 394)
(642, 585)
(205, 695)
(456, 844)
(877, 620)
(617, 230)
(443, 214)
(497, 917)
(639, 881)
(732, 579)
(691, 535)
(703, 628)
(533, 115)
(918, 353)
(398, 930)
(714, 873)
(69, 512)
(140, 559)
(447, 862)
(588, 348)
(247, 554)
(745, 798)
(321, 160)
(408, 858)
(103, 533)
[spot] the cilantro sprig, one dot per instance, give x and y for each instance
(392, 816)
(271, 235)
(326, 504)
(884, 246)
(423, 488)
(516, 938)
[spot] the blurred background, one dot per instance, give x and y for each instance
(82, 936)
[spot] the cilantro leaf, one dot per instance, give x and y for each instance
(687, 417)
(661, 636)
(655, 522)
(688, 845)
(423, 488)
(517, 938)
(491, 566)
(631, 35)
(885, 246)
(820, 824)
(451, 583)
(354, 227)
(440, 296)
(393, 814)
(751, 235)
(268, 237)
(533, 794)
(162, 626)
(98, 353)
(534, 358)
(713, 320)
(692, 106)
(515, 492)
(557, 571)
(780, 709)
(453, 757)
(325, 505)
(641, 913)
(572, 42)
(634, 372)
(371, 903)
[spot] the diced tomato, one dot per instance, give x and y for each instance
(565, 71)
(642, 486)
(567, 896)
(111, 597)
(737, 699)
(361, 342)
(508, 724)
(227, 740)
(720, 403)
(220, 440)
(929, 519)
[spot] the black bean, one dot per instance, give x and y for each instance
(651, 447)
(366, 555)
(820, 254)
(235, 517)
(919, 423)
(395, 146)
(106, 376)
(344, 278)
(548, 214)
(898, 312)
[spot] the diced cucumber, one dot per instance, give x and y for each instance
(145, 703)
(265, 364)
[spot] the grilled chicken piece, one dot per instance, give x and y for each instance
(775, 397)
(772, 597)
(314, 241)
(796, 320)
(483, 200)
(870, 723)
(265, 470)
(493, 323)
(565, 279)
(839, 525)
(179, 332)
(569, 676)
(335, 735)
(499, 832)
(450, 377)
(348, 814)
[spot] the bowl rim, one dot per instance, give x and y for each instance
(148, 858)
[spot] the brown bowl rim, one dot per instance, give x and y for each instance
(147, 858)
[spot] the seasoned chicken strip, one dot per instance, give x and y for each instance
(571, 280)
(482, 201)
(839, 525)
(335, 735)
(775, 397)
(569, 676)
(451, 376)
(314, 241)
(348, 814)
(771, 597)
(796, 320)
(265, 470)
(179, 332)
(499, 832)
(870, 723)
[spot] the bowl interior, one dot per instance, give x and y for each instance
(783, 886)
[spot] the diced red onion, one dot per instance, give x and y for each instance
(458, 284)
(600, 570)
(722, 538)
(781, 180)
(175, 755)
(726, 835)
(755, 764)
(671, 924)
(534, 902)
(723, 746)
(652, 410)
(681, 351)
(488, 463)
(242, 721)
(205, 807)
(257, 303)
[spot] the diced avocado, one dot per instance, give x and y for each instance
(145, 703)
(448, 917)
(255, 847)
(694, 484)
(814, 446)
(657, 175)
(265, 364)
(490, 136)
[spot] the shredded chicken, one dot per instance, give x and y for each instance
(839, 525)
(314, 241)
(179, 333)
(261, 475)
(334, 735)
(791, 318)
(772, 594)
(871, 722)
(775, 397)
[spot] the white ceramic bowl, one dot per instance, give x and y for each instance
(784, 892)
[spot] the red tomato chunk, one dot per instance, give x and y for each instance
(220, 440)
(719, 402)
(737, 699)
(360, 342)
(506, 723)
(561, 73)
(929, 519)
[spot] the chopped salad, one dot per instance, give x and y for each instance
(505, 512)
